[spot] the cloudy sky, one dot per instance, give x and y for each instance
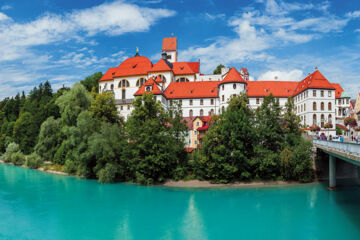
(65, 40)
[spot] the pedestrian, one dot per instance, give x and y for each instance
(357, 139)
(341, 139)
(330, 138)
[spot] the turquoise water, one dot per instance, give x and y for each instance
(36, 205)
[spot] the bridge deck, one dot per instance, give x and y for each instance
(346, 151)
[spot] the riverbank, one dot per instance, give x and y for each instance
(208, 184)
(189, 183)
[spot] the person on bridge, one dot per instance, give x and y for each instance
(341, 139)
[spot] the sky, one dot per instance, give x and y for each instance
(63, 41)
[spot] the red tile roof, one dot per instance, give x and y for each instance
(109, 75)
(233, 76)
(265, 88)
(133, 66)
(160, 66)
(169, 44)
(189, 149)
(205, 89)
(189, 122)
(203, 128)
(315, 80)
(338, 90)
(150, 82)
(184, 68)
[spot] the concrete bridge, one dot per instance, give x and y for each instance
(349, 152)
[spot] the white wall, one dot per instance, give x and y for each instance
(226, 90)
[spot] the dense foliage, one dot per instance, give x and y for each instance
(245, 144)
(78, 131)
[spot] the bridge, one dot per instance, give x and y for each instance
(346, 151)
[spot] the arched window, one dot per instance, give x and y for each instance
(322, 120)
(329, 106)
(314, 105)
(301, 108)
(211, 112)
(112, 86)
(201, 102)
(124, 84)
(182, 79)
(314, 119)
(140, 82)
(163, 78)
(201, 112)
(191, 113)
(330, 118)
(322, 106)
(234, 86)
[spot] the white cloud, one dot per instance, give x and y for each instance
(6, 7)
(258, 32)
(293, 75)
(214, 16)
(4, 17)
(16, 38)
(355, 14)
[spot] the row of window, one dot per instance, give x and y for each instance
(122, 107)
(212, 102)
(211, 112)
(343, 101)
(322, 106)
(305, 95)
(322, 119)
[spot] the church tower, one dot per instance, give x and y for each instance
(169, 49)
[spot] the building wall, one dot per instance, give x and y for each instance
(196, 107)
(226, 91)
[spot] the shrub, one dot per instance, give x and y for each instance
(17, 158)
(11, 148)
(108, 173)
(33, 161)
(69, 167)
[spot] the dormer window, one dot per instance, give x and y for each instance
(148, 88)
(134, 66)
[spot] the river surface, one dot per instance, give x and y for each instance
(37, 205)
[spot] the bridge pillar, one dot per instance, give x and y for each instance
(332, 172)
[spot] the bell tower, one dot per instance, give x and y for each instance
(169, 49)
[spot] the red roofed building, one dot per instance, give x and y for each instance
(317, 100)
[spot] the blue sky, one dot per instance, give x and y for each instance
(65, 40)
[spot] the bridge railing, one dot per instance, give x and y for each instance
(347, 147)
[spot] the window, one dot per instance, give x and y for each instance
(314, 119)
(314, 106)
(191, 101)
(195, 132)
(330, 118)
(195, 142)
(201, 112)
(99, 88)
(322, 106)
(180, 102)
(211, 112)
(123, 94)
(322, 120)
(128, 107)
(329, 106)
(201, 102)
(212, 101)
(140, 82)
(124, 84)
(182, 79)
(222, 87)
(197, 124)
(222, 98)
(347, 101)
(329, 93)
(163, 78)
(307, 94)
(112, 86)
(339, 101)
(121, 108)
(314, 93)
(257, 101)
(148, 88)
(191, 113)
(304, 119)
(301, 108)
(223, 109)
(304, 107)
(322, 93)
(234, 86)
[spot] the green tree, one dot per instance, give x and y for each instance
(49, 139)
(92, 82)
(25, 132)
(154, 156)
(72, 103)
(217, 70)
(33, 161)
(103, 108)
(11, 149)
(228, 144)
(291, 123)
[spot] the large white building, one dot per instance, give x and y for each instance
(317, 100)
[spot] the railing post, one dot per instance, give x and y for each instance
(332, 172)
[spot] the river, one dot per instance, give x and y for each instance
(37, 205)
